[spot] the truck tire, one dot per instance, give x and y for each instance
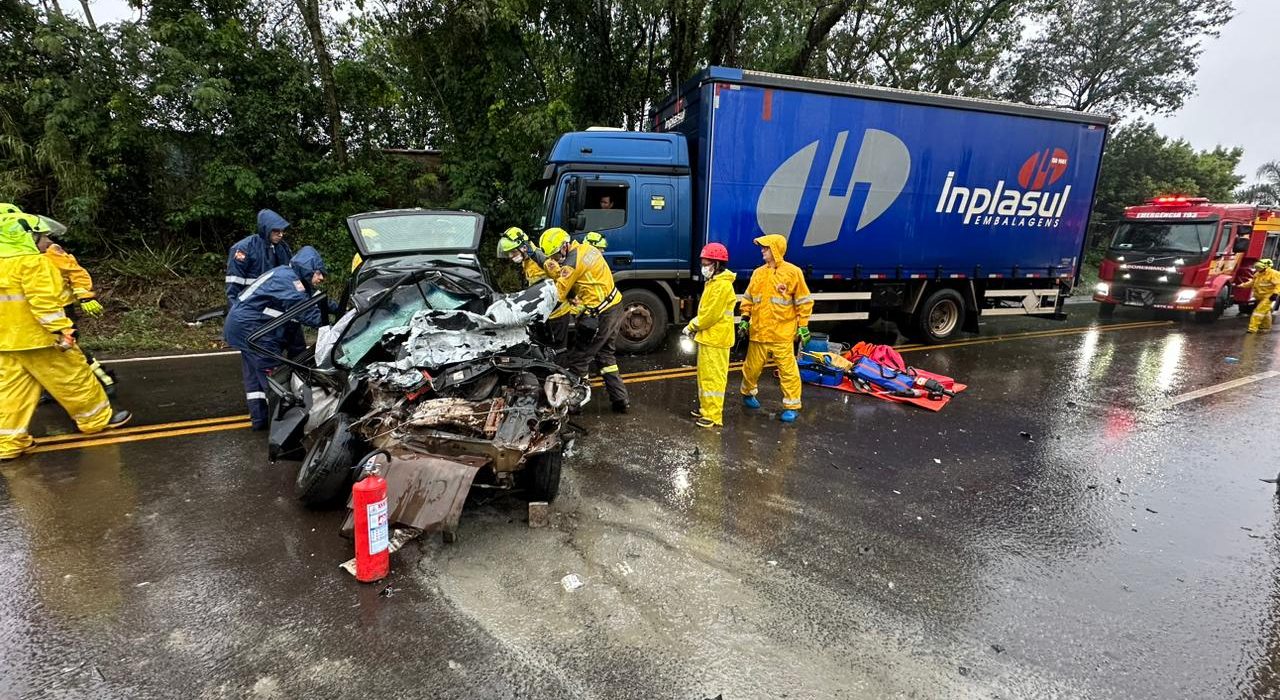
(644, 321)
(940, 317)
(540, 477)
(1219, 305)
(1106, 309)
(325, 474)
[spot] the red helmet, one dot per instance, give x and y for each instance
(715, 251)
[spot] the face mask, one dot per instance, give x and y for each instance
(708, 271)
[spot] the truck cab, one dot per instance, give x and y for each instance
(634, 188)
(1179, 253)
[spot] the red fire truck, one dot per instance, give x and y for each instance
(1179, 253)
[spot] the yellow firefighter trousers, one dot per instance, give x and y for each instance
(713, 375)
(67, 378)
(784, 355)
(1260, 319)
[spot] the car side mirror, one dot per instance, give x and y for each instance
(1241, 245)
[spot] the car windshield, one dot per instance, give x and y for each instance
(1164, 237)
(412, 232)
(392, 311)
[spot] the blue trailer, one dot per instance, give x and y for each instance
(930, 210)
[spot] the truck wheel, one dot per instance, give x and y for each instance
(940, 317)
(325, 474)
(644, 321)
(540, 477)
(1219, 305)
(1106, 310)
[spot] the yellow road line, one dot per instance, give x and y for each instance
(211, 425)
(111, 439)
(149, 428)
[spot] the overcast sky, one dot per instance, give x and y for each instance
(1237, 103)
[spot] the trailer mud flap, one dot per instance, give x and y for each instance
(425, 492)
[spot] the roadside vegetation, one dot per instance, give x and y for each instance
(158, 138)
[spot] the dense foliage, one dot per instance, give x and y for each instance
(156, 139)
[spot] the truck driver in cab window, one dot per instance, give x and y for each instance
(606, 201)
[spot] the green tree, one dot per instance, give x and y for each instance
(1114, 56)
(1267, 190)
(1139, 164)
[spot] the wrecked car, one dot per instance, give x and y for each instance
(430, 366)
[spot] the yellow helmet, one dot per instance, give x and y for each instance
(1263, 264)
(596, 239)
(24, 222)
(7, 208)
(552, 240)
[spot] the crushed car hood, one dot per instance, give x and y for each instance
(435, 338)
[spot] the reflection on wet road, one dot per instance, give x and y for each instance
(1085, 520)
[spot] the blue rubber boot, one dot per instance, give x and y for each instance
(787, 416)
(750, 402)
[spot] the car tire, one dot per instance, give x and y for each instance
(940, 317)
(540, 477)
(325, 475)
(644, 322)
(1106, 309)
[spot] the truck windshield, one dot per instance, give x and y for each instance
(1164, 237)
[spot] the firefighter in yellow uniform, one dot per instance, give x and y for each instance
(581, 272)
(775, 312)
(1265, 284)
(712, 330)
(515, 246)
(36, 346)
(77, 296)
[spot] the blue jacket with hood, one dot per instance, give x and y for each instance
(272, 294)
(254, 255)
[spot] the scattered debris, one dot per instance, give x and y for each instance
(897, 492)
(1256, 537)
(571, 583)
(891, 585)
(1091, 487)
(1071, 404)
(772, 562)
(964, 670)
(387, 592)
(1151, 511)
(865, 549)
(1027, 436)
(1118, 480)
(1232, 360)
(1248, 529)
(623, 568)
(140, 585)
(937, 461)
(539, 514)
(997, 648)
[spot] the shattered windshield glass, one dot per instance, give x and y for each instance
(392, 311)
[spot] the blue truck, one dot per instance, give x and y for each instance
(929, 210)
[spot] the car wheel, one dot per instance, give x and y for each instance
(940, 317)
(644, 321)
(1106, 310)
(540, 477)
(325, 475)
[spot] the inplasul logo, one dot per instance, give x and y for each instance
(1005, 206)
(882, 163)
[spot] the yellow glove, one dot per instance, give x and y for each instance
(92, 307)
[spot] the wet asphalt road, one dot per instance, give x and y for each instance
(1125, 549)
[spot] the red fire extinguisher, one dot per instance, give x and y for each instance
(369, 503)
